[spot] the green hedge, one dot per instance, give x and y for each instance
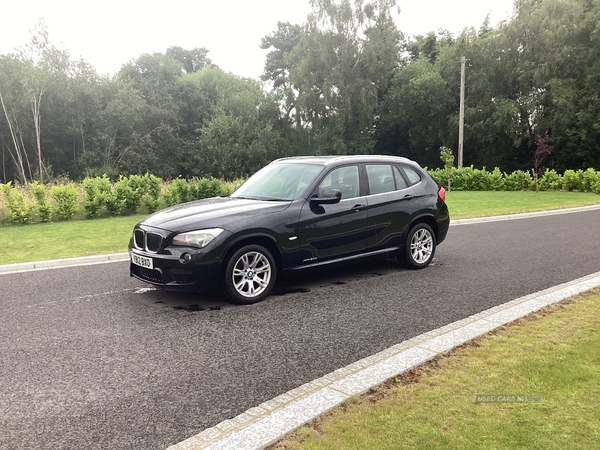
(99, 197)
(471, 179)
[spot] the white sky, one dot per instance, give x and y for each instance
(109, 33)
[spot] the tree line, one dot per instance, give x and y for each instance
(347, 81)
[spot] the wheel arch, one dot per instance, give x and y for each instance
(263, 240)
(429, 220)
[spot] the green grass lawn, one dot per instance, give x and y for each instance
(433, 407)
(39, 242)
(463, 204)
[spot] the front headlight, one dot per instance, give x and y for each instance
(199, 238)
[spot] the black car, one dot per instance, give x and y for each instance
(295, 213)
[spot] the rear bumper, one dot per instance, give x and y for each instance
(442, 231)
(443, 223)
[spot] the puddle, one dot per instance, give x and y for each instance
(190, 308)
(280, 292)
(196, 308)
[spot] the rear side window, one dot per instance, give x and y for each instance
(412, 175)
(400, 181)
(381, 179)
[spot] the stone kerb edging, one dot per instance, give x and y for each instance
(60, 263)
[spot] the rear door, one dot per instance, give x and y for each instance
(391, 204)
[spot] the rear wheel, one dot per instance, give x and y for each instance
(420, 247)
(250, 275)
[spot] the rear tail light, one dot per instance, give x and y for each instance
(442, 194)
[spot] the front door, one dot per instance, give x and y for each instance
(328, 232)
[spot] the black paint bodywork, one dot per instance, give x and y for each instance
(301, 234)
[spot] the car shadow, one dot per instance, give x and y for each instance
(301, 282)
(335, 275)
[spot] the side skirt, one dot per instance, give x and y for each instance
(344, 259)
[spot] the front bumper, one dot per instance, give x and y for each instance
(170, 273)
(176, 267)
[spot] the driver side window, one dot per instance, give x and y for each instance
(345, 179)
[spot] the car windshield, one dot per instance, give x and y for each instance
(278, 181)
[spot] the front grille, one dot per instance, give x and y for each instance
(147, 274)
(138, 236)
(145, 240)
(153, 242)
(182, 276)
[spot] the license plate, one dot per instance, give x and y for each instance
(142, 261)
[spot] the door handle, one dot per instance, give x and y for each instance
(359, 207)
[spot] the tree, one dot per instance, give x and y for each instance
(554, 46)
(340, 69)
(414, 115)
(542, 150)
(277, 66)
(447, 157)
(14, 108)
(47, 63)
(31, 72)
(282, 42)
(239, 136)
(192, 60)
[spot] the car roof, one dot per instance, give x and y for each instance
(332, 160)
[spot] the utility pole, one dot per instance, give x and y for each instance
(461, 120)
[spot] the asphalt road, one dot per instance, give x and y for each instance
(92, 358)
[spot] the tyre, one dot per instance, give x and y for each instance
(250, 275)
(420, 247)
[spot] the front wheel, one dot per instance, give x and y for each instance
(250, 275)
(420, 247)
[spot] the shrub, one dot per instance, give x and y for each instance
(206, 188)
(152, 189)
(517, 181)
(496, 180)
(178, 192)
(589, 179)
(65, 197)
(471, 179)
(596, 186)
(125, 197)
(550, 180)
(44, 209)
(571, 180)
(19, 210)
(134, 189)
(96, 192)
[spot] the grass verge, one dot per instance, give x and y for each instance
(38, 242)
(464, 205)
(555, 353)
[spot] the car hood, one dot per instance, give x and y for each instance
(211, 213)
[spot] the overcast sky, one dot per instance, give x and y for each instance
(109, 33)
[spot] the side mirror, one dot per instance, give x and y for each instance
(328, 197)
